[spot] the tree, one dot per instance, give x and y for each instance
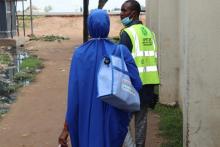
(48, 8)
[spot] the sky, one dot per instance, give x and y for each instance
(73, 5)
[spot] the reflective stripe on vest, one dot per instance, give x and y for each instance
(145, 55)
(147, 69)
(139, 53)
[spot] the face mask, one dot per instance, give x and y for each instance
(126, 21)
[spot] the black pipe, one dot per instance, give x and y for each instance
(85, 16)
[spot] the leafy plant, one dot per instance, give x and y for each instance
(28, 69)
(23, 76)
(30, 64)
(48, 8)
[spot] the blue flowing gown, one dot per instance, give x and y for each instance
(92, 122)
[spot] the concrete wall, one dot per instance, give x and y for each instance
(164, 23)
(200, 48)
(189, 32)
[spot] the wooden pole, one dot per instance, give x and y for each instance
(23, 16)
(17, 19)
(31, 16)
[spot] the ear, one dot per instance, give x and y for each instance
(133, 14)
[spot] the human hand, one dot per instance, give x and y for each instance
(62, 140)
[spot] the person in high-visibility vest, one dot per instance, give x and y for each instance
(142, 44)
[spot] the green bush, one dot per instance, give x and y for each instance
(30, 64)
(28, 69)
(23, 76)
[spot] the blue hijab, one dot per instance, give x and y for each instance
(92, 122)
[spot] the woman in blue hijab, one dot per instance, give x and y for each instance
(91, 122)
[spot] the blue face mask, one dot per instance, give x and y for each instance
(126, 21)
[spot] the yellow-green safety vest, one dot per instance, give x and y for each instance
(144, 52)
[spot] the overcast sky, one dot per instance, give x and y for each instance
(73, 5)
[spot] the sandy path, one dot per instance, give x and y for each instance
(36, 118)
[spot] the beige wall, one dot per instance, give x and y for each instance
(188, 33)
(164, 23)
(201, 49)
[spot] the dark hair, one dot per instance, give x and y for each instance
(134, 5)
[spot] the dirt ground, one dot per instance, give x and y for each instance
(36, 118)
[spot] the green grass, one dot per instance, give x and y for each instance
(28, 69)
(30, 64)
(48, 38)
(171, 125)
